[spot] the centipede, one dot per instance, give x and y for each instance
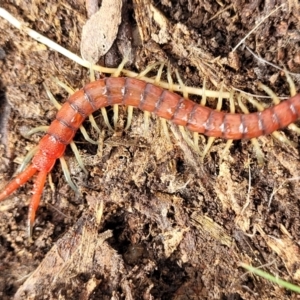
(146, 97)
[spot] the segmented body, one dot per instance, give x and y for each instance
(147, 97)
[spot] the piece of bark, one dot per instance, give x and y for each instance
(100, 31)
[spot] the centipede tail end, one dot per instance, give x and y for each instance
(18, 181)
(35, 200)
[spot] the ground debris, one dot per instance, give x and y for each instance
(100, 31)
(179, 226)
(82, 250)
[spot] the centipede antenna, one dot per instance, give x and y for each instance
(78, 157)
(105, 117)
(256, 147)
(129, 116)
(67, 175)
(35, 130)
(52, 98)
(86, 136)
(291, 83)
(27, 159)
(159, 73)
(63, 85)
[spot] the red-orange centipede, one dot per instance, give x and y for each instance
(147, 97)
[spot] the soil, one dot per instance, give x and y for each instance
(151, 219)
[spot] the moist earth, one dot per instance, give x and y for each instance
(152, 219)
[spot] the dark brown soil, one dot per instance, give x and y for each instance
(173, 227)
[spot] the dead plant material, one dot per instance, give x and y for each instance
(100, 31)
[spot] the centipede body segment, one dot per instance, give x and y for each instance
(151, 98)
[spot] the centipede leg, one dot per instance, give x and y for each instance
(211, 140)
(117, 73)
(146, 121)
(86, 136)
(35, 200)
(27, 159)
(185, 94)
(105, 117)
(63, 85)
(67, 174)
(232, 110)
(147, 70)
(146, 113)
(291, 83)
(170, 88)
(159, 73)
(165, 129)
(129, 116)
(121, 66)
(78, 157)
